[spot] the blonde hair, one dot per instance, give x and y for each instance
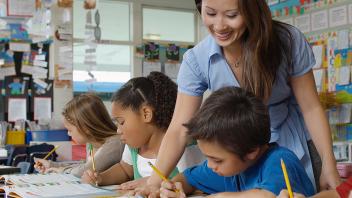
(88, 113)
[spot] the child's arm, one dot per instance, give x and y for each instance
(255, 193)
(179, 183)
(117, 174)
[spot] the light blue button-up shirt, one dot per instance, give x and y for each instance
(204, 67)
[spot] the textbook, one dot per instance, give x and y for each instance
(51, 185)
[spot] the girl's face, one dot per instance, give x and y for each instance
(74, 133)
(130, 125)
(223, 21)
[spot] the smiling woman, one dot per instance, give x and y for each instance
(273, 60)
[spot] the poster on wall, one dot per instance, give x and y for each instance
(42, 108)
(173, 52)
(320, 20)
(17, 109)
(303, 23)
(151, 51)
(151, 66)
(338, 16)
(350, 13)
(16, 86)
(23, 8)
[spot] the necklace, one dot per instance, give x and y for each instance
(235, 64)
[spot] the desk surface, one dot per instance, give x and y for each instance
(9, 170)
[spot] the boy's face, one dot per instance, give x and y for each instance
(221, 161)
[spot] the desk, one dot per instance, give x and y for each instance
(4, 170)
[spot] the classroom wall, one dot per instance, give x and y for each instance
(63, 95)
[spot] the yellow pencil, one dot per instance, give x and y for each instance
(287, 180)
(160, 174)
(93, 161)
(51, 152)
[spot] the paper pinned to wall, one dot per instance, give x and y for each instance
(17, 109)
(303, 23)
(320, 20)
(338, 16)
(342, 39)
(21, 7)
(151, 66)
(20, 47)
(344, 77)
(171, 69)
(288, 21)
(42, 108)
(319, 77)
(318, 54)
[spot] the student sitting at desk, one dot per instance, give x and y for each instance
(143, 109)
(88, 121)
(233, 131)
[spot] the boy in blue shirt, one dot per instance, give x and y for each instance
(232, 129)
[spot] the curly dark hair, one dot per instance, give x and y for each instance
(157, 90)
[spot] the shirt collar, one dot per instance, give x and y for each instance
(215, 49)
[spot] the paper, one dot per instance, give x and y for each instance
(318, 77)
(40, 63)
(41, 83)
(350, 13)
(40, 57)
(42, 108)
(17, 109)
(151, 66)
(344, 78)
(320, 20)
(338, 16)
(20, 47)
(7, 71)
(21, 7)
(303, 23)
(171, 69)
(34, 70)
(333, 76)
(318, 55)
(342, 39)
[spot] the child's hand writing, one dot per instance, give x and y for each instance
(284, 194)
(131, 185)
(167, 189)
(91, 177)
(41, 165)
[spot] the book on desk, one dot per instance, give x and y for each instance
(49, 185)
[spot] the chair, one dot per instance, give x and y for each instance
(19, 158)
(14, 150)
(38, 155)
(24, 166)
(42, 148)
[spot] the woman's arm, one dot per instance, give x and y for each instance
(314, 116)
(175, 139)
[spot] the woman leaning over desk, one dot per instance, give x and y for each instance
(247, 49)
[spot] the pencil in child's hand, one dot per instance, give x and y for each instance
(160, 174)
(51, 152)
(287, 180)
(93, 161)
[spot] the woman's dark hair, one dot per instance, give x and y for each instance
(234, 118)
(265, 45)
(156, 90)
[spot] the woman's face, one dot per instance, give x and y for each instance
(74, 133)
(223, 21)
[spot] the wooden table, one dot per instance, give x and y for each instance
(4, 170)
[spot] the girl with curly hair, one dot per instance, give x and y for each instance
(143, 109)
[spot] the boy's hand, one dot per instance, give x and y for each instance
(284, 194)
(91, 177)
(41, 165)
(131, 185)
(168, 190)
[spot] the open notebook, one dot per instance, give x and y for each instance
(49, 185)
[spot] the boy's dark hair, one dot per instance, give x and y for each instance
(156, 90)
(234, 118)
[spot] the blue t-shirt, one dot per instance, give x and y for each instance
(265, 174)
(204, 67)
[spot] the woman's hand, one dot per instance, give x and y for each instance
(41, 165)
(169, 189)
(91, 177)
(131, 185)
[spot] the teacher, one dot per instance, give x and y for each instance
(247, 49)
